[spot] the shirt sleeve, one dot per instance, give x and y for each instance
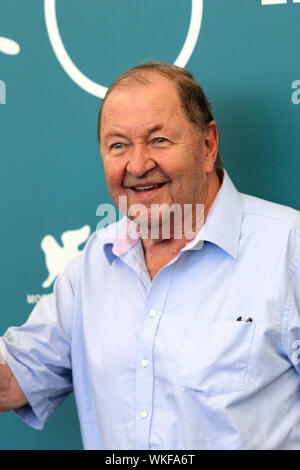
(292, 312)
(39, 354)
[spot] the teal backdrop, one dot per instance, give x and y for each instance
(247, 57)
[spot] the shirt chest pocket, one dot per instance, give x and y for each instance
(213, 358)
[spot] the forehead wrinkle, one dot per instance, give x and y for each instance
(131, 101)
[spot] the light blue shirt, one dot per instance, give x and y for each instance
(165, 364)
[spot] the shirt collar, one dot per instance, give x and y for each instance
(223, 222)
(222, 226)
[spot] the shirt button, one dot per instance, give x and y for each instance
(145, 363)
(152, 312)
(144, 414)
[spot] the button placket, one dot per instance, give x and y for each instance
(144, 378)
(154, 306)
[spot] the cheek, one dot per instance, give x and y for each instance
(169, 166)
(114, 173)
(186, 182)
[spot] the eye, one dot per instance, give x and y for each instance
(159, 140)
(117, 146)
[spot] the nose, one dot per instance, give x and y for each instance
(140, 161)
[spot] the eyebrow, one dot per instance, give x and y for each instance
(156, 128)
(114, 134)
(117, 133)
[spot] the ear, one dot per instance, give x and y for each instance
(211, 142)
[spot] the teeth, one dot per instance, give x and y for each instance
(142, 188)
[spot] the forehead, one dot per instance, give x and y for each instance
(140, 103)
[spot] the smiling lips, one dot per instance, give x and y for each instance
(149, 187)
(143, 188)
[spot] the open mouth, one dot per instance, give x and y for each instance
(147, 188)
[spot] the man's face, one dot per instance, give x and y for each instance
(151, 152)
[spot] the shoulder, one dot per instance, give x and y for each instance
(275, 226)
(97, 250)
(271, 212)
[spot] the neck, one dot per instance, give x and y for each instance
(162, 250)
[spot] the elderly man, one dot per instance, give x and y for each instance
(169, 342)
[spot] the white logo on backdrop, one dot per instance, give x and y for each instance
(94, 88)
(57, 256)
(8, 46)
